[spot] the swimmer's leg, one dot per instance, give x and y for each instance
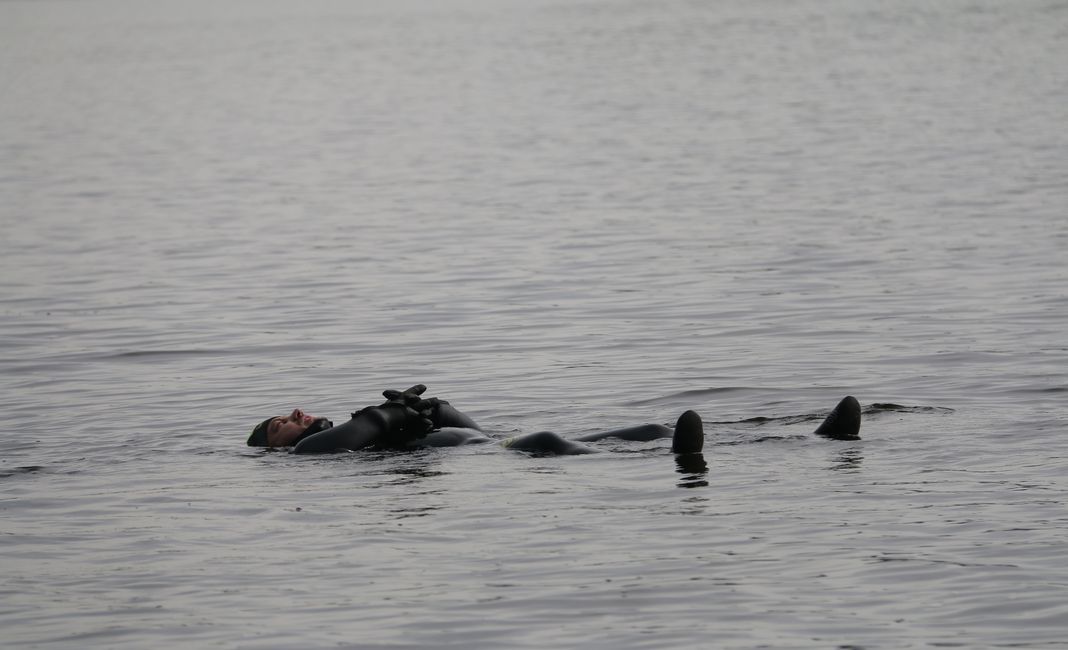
(687, 437)
(546, 442)
(640, 433)
(843, 423)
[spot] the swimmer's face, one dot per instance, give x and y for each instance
(284, 429)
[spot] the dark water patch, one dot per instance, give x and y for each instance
(933, 561)
(848, 460)
(39, 366)
(411, 475)
(885, 407)
(47, 361)
(1052, 390)
(20, 471)
(699, 392)
(147, 354)
(760, 440)
(786, 420)
(763, 439)
(762, 420)
(58, 465)
(414, 512)
(265, 352)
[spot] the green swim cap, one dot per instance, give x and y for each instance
(259, 433)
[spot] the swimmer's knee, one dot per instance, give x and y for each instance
(546, 442)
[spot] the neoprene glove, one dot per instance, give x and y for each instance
(409, 416)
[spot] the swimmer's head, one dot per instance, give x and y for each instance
(286, 430)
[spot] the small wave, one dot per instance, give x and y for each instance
(698, 392)
(1047, 389)
(872, 409)
(263, 351)
(761, 439)
(26, 469)
(137, 354)
(880, 407)
(761, 420)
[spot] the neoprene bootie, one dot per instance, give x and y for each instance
(843, 423)
(689, 436)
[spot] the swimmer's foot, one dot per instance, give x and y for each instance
(689, 436)
(843, 423)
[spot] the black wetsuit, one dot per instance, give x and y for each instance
(406, 421)
(450, 427)
(391, 425)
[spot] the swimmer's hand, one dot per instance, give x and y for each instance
(412, 400)
(405, 396)
(439, 411)
(408, 416)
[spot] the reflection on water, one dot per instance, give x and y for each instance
(693, 469)
(694, 505)
(848, 460)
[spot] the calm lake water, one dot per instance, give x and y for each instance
(558, 215)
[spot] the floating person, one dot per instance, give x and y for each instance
(406, 420)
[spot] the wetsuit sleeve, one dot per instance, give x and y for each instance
(388, 425)
(403, 418)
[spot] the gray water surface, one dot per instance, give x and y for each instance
(558, 215)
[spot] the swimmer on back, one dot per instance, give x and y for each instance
(406, 420)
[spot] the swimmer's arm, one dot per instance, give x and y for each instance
(357, 433)
(388, 424)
